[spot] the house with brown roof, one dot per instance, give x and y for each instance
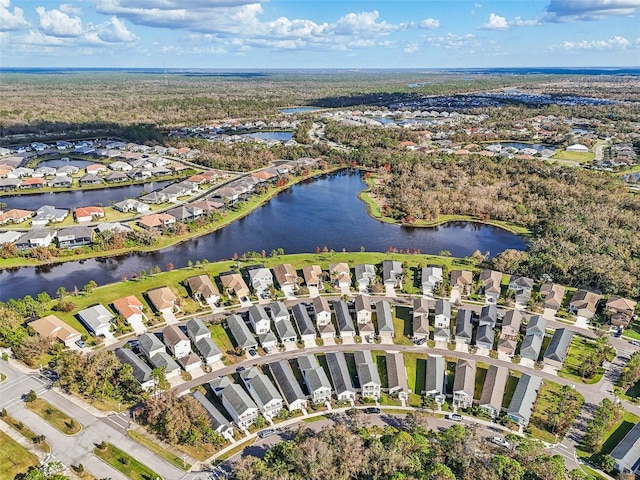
(203, 289)
(162, 299)
(233, 283)
(461, 282)
(620, 310)
(131, 309)
(87, 214)
(176, 341)
(312, 276)
(340, 275)
(583, 303)
(157, 221)
(552, 293)
(15, 215)
(490, 281)
(287, 278)
(52, 326)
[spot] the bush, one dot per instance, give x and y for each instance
(493, 353)
(516, 359)
(3, 412)
(31, 396)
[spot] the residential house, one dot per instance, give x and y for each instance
(288, 385)
(434, 383)
(397, 375)
(185, 213)
(431, 279)
(9, 236)
(157, 221)
(115, 227)
(164, 360)
(392, 273)
(241, 333)
(90, 179)
(287, 278)
(88, 214)
(368, 376)
(60, 182)
(190, 362)
(485, 337)
(342, 383)
(522, 287)
(537, 325)
(620, 311)
(67, 171)
(584, 303)
(323, 317)
(312, 276)
(420, 323)
(8, 184)
(259, 319)
(627, 452)
(197, 330)
(524, 398)
(116, 177)
(219, 422)
(176, 341)
(96, 168)
(303, 322)
(488, 316)
(31, 183)
(490, 284)
(234, 284)
(262, 391)
(131, 310)
(36, 237)
(120, 166)
(340, 275)
(48, 214)
(52, 326)
(365, 277)
(150, 345)
(552, 293)
(42, 172)
(282, 322)
(15, 215)
(141, 371)
(556, 352)
(464, 383)
(363, 309)
(464, 327)
(384, 320)
(531, 346)
(203, 289)
(508, 341)
(315, 379)
(75, 236)
(461, 281)
(162, 299)
(240, 406)
(442, 324)
(268, 340)
(130, 205)
(97, 319)
(495, 383)
(209, 351)
(261, 281)
(343, 319)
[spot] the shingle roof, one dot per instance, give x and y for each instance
(339, 372)
(530, 348)
(203, 285)
(627, 452)
(559, 345)
(303, 321)
(172, 335)
(384, 317)
(218, 420)
(495, 383)
(524, 397)
(286, 381)
(141, 370)
(207, 348)
(465, 377)
(343, 317)
(238, 399)
(536, 325)
(262, 390)
(434, 375)
(396, 372)
(196, 329)
(464, 328)
(163, 359)
(149, 343)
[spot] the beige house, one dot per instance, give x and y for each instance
(461, 282)
(620, 310)
(552, 293)
(233, 283)
(287, 278)
(203, 289)
(162, 299)
(52, 326)
(312, 276)
(583, 303)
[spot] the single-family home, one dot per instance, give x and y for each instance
(392, 273)
(620, 310)
(268, 340)
(340, 377)
(241, 333)
(288, 385)
(96, 168)
(162, 299)
(490, 284)
(384, 320)
(141, 371)
(584, 303)
(522, 287)
(282, 323)
(397, 375)
(157, 221)
(121, 166)
(442, 314)
(75, 236)
(303, 322)
(97, 319)
(88, 214)
(9, 236)
(315, 379)
(197, 330)
(343, 319)
(60, 182)
(278, 311)
(508, 340)
(52, 326)
(434, 383)
(340, 275)
(464, 327)
(36, 237)
(131, 310)
(488, 316)
(131, 205)
(368, 375)
(495, 383)
(312, 276)
(208, 350)
(323, 317)
(219, 422)
(240, 406)
(176, 341)
(31, 183)
(365, 277)
(259, 319)
(262, 391)
(48, 214)
(485, 337)
(67, 171)
(261, 281)
(190, 362)
(116, 177)
(461, 281)
(42, 172)
(537, 325)
(8, 184)
(556, 352)
(431, 279)
(420, 322)
(164, 360)
(464, 383)
(524, 398)
(203, 289)
(627, 452)
(15, 215)
(363, 310)
(531, 346)
(150, 345)
(233, 284)
(90, 179)
(287, 278)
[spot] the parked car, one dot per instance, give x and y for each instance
(454, 416)
(372, 410)
(267, 432)
(499, 441)
(253, 352)
(81, 343)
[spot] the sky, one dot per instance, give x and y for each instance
(254, 34)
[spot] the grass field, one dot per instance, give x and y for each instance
(579, 157)
(402, 324)
(26, 432)
(415, 364)
(14, 458)
(578, 351)
(158, 450)
(618, 432)
(379, 356)
(512, 382)
(55, 417)
(125, 463)
(548, 397)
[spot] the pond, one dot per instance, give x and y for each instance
(322, 211)
(61, 162)
(298, 109)
(536, 146)
(282, 136)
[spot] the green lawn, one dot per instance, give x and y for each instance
(26, 432)
(481, 374)
(512, 382)
(222, 340)
(578, 351)
(402, 323)
(380, 357)
(547, 398)
(55, 417)
(416, 364)
(158, 450)
(618, 432)
(14, 458)
(579, 157)
(125, 463)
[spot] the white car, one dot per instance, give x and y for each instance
(500, 441)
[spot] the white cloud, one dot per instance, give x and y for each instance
(113, 31)
(475, 8)
(364, 23)
(430, 23)
(496, 22)
(70, 9)
(411, 47)
(453, 41)
(616, 42)
(58, 24)
(576, 10)
(11, 19)
(521, 22)
(38, 38)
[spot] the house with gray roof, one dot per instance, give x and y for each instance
(285, 329)
(259, 319)
(627, 452)
(141, 371)
(60, 182)
(97, 319)
(196, 329)
(442, 314)
(289, 388)
(392, 273)
(397, 375)
(342, 384)
(278, 311)
(365, 277)
(495, 383)
(384, 319)
(238, 403)
(485, 337)
(344, 319)
(323, 317)
(75, 236)
(531, 346)
(263, 392)
(131, 205)
(303, 322)
(420, 320)
(90, 179)
(261, 280)
(488, 316)
(537, 325)
(219, 422)
(556, 352)
(431, 279)
(522, 287)
(434, 383)
(164, 360)
(208, 350)
(315, 378)
(36, 237)
(464, 383)
(524, 397)
(150, 345)
(268, 340)
(368, 375)
(241, 333)
(464, 327)
(48, 214)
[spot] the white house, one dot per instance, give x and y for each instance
(259, 319)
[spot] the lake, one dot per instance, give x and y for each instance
(536, 146)
(59, 162)
(282, 136)
(318, 212)
(298, 109)
(81, 198)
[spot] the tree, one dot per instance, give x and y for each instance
(607, 463)
(31, 396)
(89, 287)
(159, 375)
(61, 292)
(507, 468)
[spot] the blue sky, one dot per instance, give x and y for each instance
(319, 33)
